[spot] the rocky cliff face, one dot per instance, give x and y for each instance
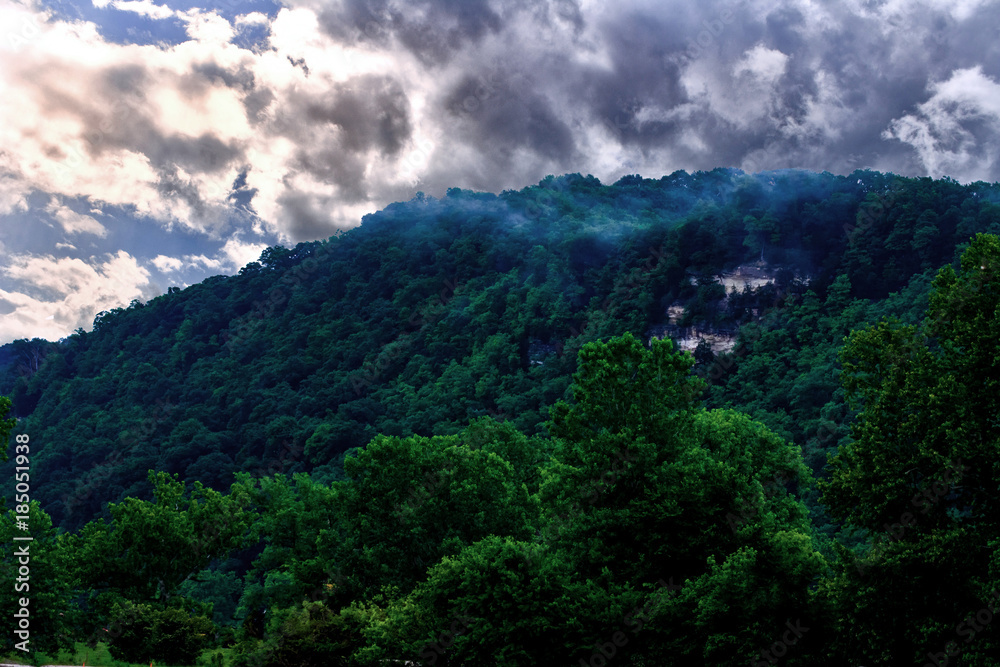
(719, 338)
(746, 275)
(687, 338)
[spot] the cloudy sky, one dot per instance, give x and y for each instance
(146, 144)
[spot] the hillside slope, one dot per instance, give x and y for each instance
(434, 312)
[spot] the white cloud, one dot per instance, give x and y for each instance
(13, 196)
(76, 223)
(239, 254)
(167, 264)
(170, 140)
(203, 262)
(940, 132)
(253, 18)
(144, 8)
(233, 256)
(766, 65)
(960, 10)
(208, 28)
(53, 297)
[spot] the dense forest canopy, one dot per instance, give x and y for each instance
(433, 312)
(461, 408)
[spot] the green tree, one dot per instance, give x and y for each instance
(48, 586)
(760, 232)
(144, 633)
(499, 601)
(6, 425)
(647, 486)
(149, 548)
(221, 588)
(312, 635)
(621, 387)
(407, 502)
(291, 513)
(919, 472)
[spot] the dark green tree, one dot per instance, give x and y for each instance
(6, 425)
(144, 633)
(407, 502)
(648, 486)
(919, 473)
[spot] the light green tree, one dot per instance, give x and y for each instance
(149, 548)
(48, 586)
(130, 568)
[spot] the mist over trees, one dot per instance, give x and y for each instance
(450, 436)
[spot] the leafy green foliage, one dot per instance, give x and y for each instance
(410, 501)
(700, 496)
(499, 599)
(48, 585)
(917, 473)
(436, 311)
(6, 425)
(149, 548)
(170, 635)
(434, 438)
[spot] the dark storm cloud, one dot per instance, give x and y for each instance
(329, 164)
(432, 30)
(204, 154)
(494, 94)
(497, 118)
(124, 80)
(256, 101)
(337, 133)
(371, 111)
(689, 83)
(641, 74)
(308, 216)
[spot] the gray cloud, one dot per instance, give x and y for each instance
(204, 74)
(525, 90)
(307, 215)
(302, 130)
(337, 133)
(513, 90)
(433, 30)
(847, 78)
(497, 122)
(371, 112)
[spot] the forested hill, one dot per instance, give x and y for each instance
(436, 311)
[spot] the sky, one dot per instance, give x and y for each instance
(145, 145)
